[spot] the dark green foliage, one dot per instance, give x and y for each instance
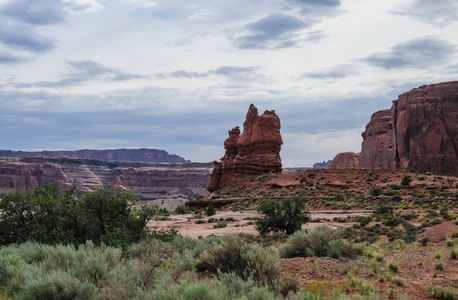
(284, 215)
(396, 187)
(376, 192)
(406, 180)
(104, 215)
(424, 241)
(384, 209)
(211, 210)
(396, 198)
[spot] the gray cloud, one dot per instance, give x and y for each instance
(272, 32)
(229, 71)
(418, 53)
(332, 3)
(8, 59)
(437, 12)
(340, 71)
(85, 71)
(36, 12)
(24, 37)
(20, 21)
(44, 12)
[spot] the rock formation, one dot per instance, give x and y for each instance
(418, 134)
(348, 160)
(131, 155)
(149, 181)
(255, 151)
(377, 149)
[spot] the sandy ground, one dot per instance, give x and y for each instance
(186, 225)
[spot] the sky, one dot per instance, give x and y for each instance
(177, 75)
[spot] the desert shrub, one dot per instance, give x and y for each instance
(390, 193)
(439, 292)
(396, 198)
(383, 209)
(424, 241)
(181, 209)
(246, 260)
(210, 210)
(58, 272)
(436, 221)
(406, 180)
(284, 215)
(396, 187)
(453, 253)
(376, 192)
(408, 216)
(220, 224)
(322, 241)
(393, 265)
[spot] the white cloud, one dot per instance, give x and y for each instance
(142, 3)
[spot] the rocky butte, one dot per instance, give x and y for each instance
(255, 151)
(418, 134)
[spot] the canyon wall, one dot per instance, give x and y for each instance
(149, 181)
(418, 134)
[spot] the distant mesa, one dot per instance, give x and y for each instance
(322, 165)
(418, 134)
(127, 155)
(255, 151)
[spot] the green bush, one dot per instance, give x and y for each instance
(181, 209)
(284, 215)
(406, 180)
(439, 292)
(247, 261)
(103, 215)
(321, 241)
(220, 224)
(211, 210)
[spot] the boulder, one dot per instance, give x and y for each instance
(345, 160)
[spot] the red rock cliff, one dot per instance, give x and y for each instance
(345, 160)
(419, 133)
(255, 151)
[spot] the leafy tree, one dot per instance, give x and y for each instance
(285, 215)
(211, 210)
(104, 215)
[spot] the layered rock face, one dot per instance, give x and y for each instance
(377, 149)
(343, 160)
(419, 133)
(131, 155)
(149, 181)
(255, 151)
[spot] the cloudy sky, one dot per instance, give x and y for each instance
(178, 74)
